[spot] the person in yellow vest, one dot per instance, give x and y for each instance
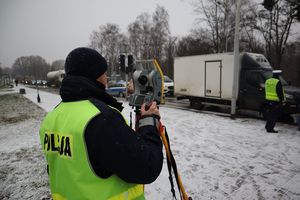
(91, 151)
(275, 98)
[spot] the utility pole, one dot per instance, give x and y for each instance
(226, 25)
(270, 35)
(236, 59)
(217, 27)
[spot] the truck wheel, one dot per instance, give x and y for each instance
(286, 118)
(196, 104)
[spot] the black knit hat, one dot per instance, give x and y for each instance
(85, 62)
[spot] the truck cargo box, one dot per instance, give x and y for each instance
(207, 76)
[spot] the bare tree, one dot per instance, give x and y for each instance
(196, 43)
(57, 65)
(140, 36)
(218, 15)
(145, 24)
(32, 67)
(160, 31)
(135, 41)
(275, 27)
(147, 37)
(95, 39)
(291, 62)
(107, 40)
(170, 48)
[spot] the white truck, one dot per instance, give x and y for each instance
(208, 79)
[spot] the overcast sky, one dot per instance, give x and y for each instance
(52, 28)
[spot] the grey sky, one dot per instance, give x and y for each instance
(52, 28)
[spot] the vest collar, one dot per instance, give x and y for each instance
(76, 88)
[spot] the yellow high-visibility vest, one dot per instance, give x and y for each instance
(71, 176)
(270, 90)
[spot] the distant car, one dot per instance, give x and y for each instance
(121, 82)
(168, 86)
(117, 89)
(44, 82)
(33, 82)
(38, 82)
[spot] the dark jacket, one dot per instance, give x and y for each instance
(113, 147)
(279, 91)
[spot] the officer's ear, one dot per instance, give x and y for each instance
(102, 79)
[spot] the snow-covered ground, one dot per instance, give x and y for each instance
(217, 157)
(22, 166)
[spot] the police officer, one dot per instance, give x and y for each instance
(275, 98)
(91, 151)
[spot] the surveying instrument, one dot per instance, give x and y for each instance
(148, 86)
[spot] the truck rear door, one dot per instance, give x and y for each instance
(213, 75)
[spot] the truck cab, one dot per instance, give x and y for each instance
(255, 70)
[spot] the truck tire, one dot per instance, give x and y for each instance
(286, 118)
(196, 104)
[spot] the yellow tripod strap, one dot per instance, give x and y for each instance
(158, 68)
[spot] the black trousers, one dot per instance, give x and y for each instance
(272, 114)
